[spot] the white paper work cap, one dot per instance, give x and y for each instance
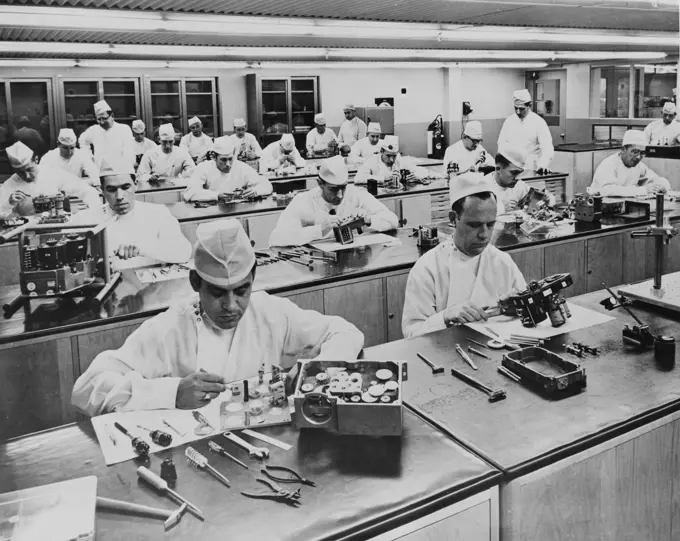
(67, 136)
(320, 119)
(521, 97)
(166, 132)
(513, 155)
(373, 127)
(473, 129)
(223, 255)
(390, 144)
(223, 146)
(194, 120)
(239, 123)
(669, 108)
(287, 141)
(115, 165)
(349, 106)
(19, 155)
(634, 138)
(101, 107)
(138, 126)
(334, 171)
(468, 184)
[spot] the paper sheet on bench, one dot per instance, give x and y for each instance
(505, 325)
(362, 240)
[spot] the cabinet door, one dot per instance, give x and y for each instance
(311, 300)
(10, 265)
(604, 258)
(396, 293)
(92, 344)
(260, 228)
(416, 211)
(163, 197)
(36, 382)
(568, 257)
(638, 258)
(530, 262)
(361, 303)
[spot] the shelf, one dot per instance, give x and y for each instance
(90, 96)
(302, 92)
(303, 112)
(165, 94)
(274, 92)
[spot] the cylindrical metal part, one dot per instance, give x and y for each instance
(168, 472)
(664, 350)
(658, 243)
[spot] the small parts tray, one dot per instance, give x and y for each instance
(545, 371)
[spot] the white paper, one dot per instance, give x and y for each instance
(362, 240)
(161, 274)
(506, 325)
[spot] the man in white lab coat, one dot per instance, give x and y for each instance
(665, 131)
(248, 150)
(165, 165)
(509, 189)
(145, 233)
(321, 141)
(528, 132)
(312, 215)
(142, 143)
(468, 154)
(281, 154)
(108, 138)
(454, 282)
(196, 143)
(387, 166)
(368, 146)
(183, 357)
(71, 159)
(624, 175)
(224, 175)
(352, 129)
(31, 180)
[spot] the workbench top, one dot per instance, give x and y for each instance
(625, 388)
(365, 485)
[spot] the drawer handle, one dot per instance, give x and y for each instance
(590, 271)
(391, 316)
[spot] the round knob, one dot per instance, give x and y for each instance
(391, 316)
(590, 272)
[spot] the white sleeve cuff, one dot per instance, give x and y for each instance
(152, 394)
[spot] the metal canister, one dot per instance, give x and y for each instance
(76, 248)
(555, 312)
(372, 186)
(49, 255)
(664, 350)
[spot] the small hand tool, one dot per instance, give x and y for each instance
(158, 437)
(297, 478)
(111, 435)
(573, 350)
(587, 349)
(171, 517)
(436, 369)
(215, 448)
(253, 451)
(201, 462)
(291, 497)
(267, 439)
(477, 352)
(169, 472)
(158, 483)
(465, 357)
(476, 343)
(204, 427)
(139, 445)
(494, 395)
(509, 374)
(166, 423)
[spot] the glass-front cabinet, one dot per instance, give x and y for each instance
(281, 105)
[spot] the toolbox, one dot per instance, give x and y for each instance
(546, 371)
(350, 397)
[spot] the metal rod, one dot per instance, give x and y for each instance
(196, 511)
(509, 374)
(659, 243)
(477, 343)
(218, 475)
(107, 288)
(623, 305)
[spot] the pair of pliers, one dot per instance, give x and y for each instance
(291, 497)
(297, 478)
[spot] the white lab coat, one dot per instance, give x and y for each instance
(48, 182)
(149, 226)
(466, 159)
(197, 147)
(248, 142)
(445, 277)
(175, 166)
(531, 136)
(613, 178)
(317, 142)
(271, 154)
(375, 168)
(141, 148)
(301, 221)
(351, 131)
(363, 149)
(208, 181)
(79, 165)
(117, 142)
(659, 134)
(507, 198)
(145, 373)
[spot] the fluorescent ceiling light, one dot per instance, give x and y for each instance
(35, 63)
(318, 53)
(44, 18)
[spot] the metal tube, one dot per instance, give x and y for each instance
(659, 243)
(630, 313)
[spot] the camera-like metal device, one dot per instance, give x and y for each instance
(344, 231)
(540, 300)
(427, 237)
(587, 208)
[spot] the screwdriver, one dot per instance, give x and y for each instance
(201, 462)
(158, 483)
(139, 445)
(216, 448)
(158, 437)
